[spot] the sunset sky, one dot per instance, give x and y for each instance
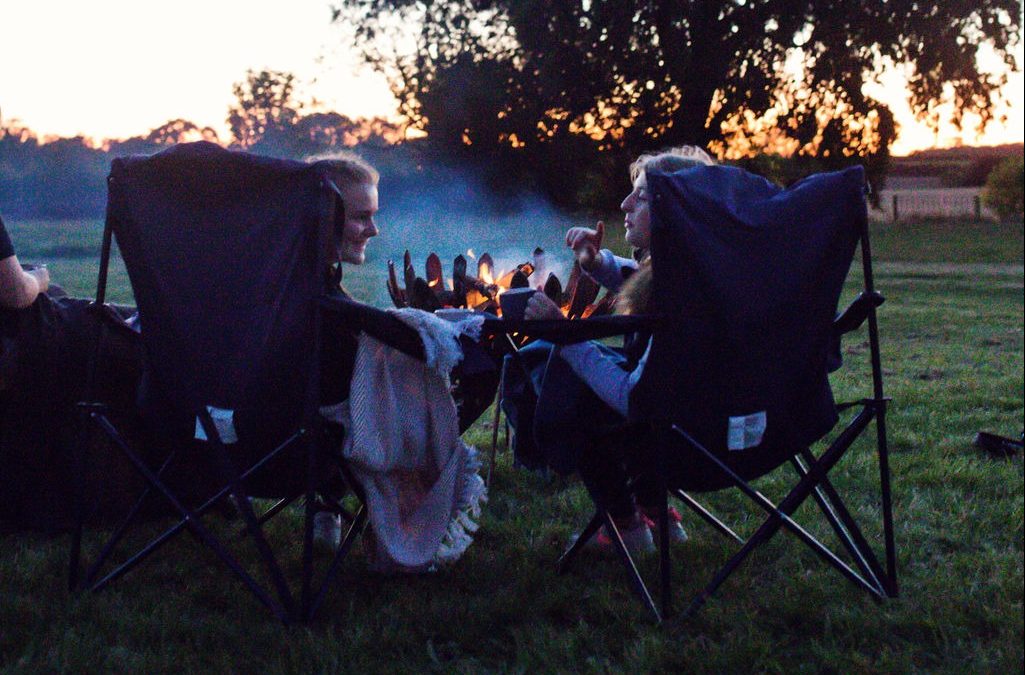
(118, 68)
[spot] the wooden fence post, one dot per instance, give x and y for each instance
(896, 214)
(978, 207)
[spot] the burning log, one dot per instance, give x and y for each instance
(584, 293)
(481, 292)
(397, 296)
(459, 281)
(434, 276)
(553, 289)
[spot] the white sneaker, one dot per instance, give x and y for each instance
(636, 536)
(327, 529)
(677, 534)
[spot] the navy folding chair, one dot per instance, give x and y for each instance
(226, 253)
(747, 281)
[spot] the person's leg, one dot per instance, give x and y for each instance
(603, 471)
(647, 488)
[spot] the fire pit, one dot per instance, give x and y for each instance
(578, 298)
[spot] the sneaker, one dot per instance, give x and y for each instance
(327, 529)
(677, 535)
(636, 535)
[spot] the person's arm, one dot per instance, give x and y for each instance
(18, 288)
(603, 375)
(611, 383)
(599, 263)
(609, 269)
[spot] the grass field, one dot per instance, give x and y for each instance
(953, 356)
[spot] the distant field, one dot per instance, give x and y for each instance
(952, 343)
(71, 250)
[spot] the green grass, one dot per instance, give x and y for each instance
(953, 355)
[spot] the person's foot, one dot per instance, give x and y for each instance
(635, 533)
(677, 535)
(327, 529)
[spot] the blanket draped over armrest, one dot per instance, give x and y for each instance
(421, 481)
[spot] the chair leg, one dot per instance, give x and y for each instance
(664, 564)
(624, 556)
(562, 566)
(115, 539)
(231, 475)
(495, 424)
(706, 515)
(191, 520)
(843, 523)
(357, 527)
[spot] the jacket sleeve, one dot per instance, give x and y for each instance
(611, 383)
(609, 272)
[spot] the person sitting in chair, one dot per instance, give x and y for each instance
(605, 467)
(354, 226)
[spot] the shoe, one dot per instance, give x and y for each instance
(327, 529)
(636, 535)
(677, 535)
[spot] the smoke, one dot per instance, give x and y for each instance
(450, 212)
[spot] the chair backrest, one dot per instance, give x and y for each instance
(749, 276)
(224, 253)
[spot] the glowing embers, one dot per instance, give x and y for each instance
(480, 292)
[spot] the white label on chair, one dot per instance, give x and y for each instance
(224, 422)
(746, 431)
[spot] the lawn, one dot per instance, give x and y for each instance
(953, 356)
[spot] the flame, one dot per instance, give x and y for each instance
(470, 254)
(450, 283)
(486, 275)
(432, 283)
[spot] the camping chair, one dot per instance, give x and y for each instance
(226, 254)
(747, 279)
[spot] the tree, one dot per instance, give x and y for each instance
(488, 75)
(265, 109)
(180, 131)
(1004, 188)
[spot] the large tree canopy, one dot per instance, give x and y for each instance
(492, 75)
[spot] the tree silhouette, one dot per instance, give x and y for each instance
(180, 131)
(781, 74)
(264, 110)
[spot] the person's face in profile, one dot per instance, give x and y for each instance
(638, 214)
(357, 225)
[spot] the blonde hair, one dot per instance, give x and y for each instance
(670, 159)
(349, 167)
(635, 295)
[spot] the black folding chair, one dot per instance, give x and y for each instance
(747, 280)
(226, 253)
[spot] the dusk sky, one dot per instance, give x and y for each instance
(118, 68)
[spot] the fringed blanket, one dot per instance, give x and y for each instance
(421, 481)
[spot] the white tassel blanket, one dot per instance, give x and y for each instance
(421, 481)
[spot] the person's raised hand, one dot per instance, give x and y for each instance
(540, 306)
(586, 243)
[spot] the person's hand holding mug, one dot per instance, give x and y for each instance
(540, 306)
(586, 244)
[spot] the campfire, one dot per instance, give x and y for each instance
(578, 298)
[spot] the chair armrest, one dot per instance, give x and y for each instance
(560, 331)
(377, 323)
(851, 318)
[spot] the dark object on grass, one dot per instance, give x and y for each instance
(998, 446)
(44, 351)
